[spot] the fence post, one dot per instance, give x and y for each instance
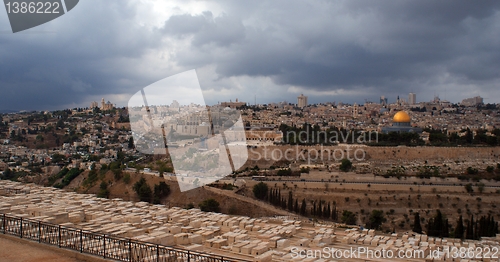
(3, 223)
(59, 238)
(39, 231)
(189, 256)
(104, 247)
(129, 250)
(81, 241)
(21, 228)
(157, 253)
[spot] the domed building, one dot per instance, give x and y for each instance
(401, 123)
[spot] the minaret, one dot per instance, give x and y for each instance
(102, 104)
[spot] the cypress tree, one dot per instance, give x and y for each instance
(278, 198)
(491, 226)
(444, 231)
(459, 229)
(469, 231)
(482, 227)
(417, 227)
(430, 225)
(296, 206)
(438, 224)
(290, 201)
(476, 231)
(271, 196)
(303, 207)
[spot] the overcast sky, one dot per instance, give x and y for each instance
(273, 50)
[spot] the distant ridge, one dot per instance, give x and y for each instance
(7, 111)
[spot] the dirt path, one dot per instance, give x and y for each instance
(249, 200)
(14, 251)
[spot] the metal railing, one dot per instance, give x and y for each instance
(98, 244)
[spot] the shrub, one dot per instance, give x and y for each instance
(480, 187)
(117, 174)
(72, 174)
(345, 165)
(284, 172)
(143, 190)
(126, 178)
(348, 217)
(260, 190)
(376, 219)
(210, 205)
(472, 171)
(103, 190)
(469, 188)
(53, 178)
(161, 190)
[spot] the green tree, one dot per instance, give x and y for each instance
(303, 207)
(131, 143)
(417, 227)
(376, 219)
(438, 225)
(103, 190)
(56, 158)
(480, 187)
(210, 205)
(469, 188)
(126, 178)
(143, 190)
(290, 201)
(459, 229)
(335, 216)
(472, 171)
(346, 165)
(348, 217)
(469, 230)
(161, 190)
(260, 190)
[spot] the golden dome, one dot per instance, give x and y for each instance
(401, 117)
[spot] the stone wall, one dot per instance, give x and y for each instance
(267, 155)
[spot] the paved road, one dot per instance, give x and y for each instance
(461, 184)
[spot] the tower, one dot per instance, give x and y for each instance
(302, 101)
(103, 104)
(383, 100)
(355, 111)
(412, 98)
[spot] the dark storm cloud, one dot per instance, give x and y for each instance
(355, 44)
(371, 47)
(62, 63)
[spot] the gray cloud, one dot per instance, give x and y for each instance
(372, 48)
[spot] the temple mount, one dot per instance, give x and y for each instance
(401, 123)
